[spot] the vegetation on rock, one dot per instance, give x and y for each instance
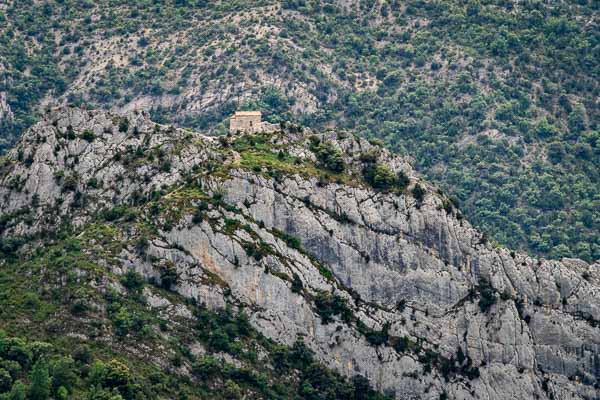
(495, 101)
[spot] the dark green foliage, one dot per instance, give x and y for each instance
(447, 205)
(402, 180)
(401, 305)
(297, 285)
(379, 176)
(18, 391)
(15, 349)
(199, 212)
(206, 367)
(401, 345)
(132, 280)
(488, 295)
(293, 242)
(418, 193)
(40, 381)
(231, 225)
(218, 198)
(329, 305)
(117, 213)
(257, 251)
(375, 337)
(326, 272)
(92, 183)
(168, 276)
(126, 317)
(64, 374)
(9, 246)
(82, 354)
(114, 377)
(317, 382)
(123, 125)
(165, 165)
(5, 380)
(141, 245)
(220, 330)
(71, 133)
(290, 240)
(328, 155)
(88, 135)
(70, 184)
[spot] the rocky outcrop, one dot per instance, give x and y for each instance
(380, 283)
(6, 114)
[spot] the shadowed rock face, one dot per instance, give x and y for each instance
(430, 307)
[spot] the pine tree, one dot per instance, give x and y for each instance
(18, 391)
(40, 381)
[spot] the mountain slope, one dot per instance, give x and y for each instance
(318, 237)
(495, 100)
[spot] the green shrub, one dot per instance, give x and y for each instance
(168, 276)
(123, 125)
(256, 251)
(70, 183)
(329, 305)
(70, 133)
(62, 371)
(6, 380)
(62, 393)
(165, 166)
(123, 321)
(40, 381)
(379, 176)
(206, 367)
(231, 225)
(488, 295)
(82, 354)
(116, 374)
(132, 280)
(114, 213)
(297, 285)
(327, 155)
(92, 183)
(401, 344)
(232, 390)
(88, 135)
(13, 367)
(15, 349)
(378, 338)
(18, 391)
(418, 193)
(290, 240)
(198, 216)
(402, 180)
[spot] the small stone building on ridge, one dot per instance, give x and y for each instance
(246, 121)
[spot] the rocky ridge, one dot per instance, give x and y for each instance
(386, 283)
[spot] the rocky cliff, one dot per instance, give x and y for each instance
(319, 237)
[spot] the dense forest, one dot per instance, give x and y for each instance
(495, 100)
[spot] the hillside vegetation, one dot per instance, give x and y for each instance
(496, 101)
(77, 331)
(144, 261)
(79, 321)
(157, 262)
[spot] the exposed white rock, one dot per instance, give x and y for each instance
(6, 113)
(415, 270)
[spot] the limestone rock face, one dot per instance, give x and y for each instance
(430, 309)
(6, 113)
